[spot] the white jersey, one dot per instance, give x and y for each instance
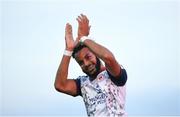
(102, 97)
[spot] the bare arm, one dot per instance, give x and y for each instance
(100, 51)
(103, 53)
(62, 84)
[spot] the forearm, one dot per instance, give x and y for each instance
(62, 83)
(104, 54)
(62, 73)
(99, 50)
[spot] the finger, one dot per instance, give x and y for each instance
(81, 15)
(68, 27)
(68, 30)
(85, 19)
(68, 24)
(79, 21)
(80, 18)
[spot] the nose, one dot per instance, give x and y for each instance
(86, 63)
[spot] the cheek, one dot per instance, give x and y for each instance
(94, 61)
(82, 67)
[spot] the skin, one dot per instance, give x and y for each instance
(89, 63)
(86, 58)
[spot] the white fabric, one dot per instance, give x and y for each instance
(102, 97)
(83, 38)
(68, 53)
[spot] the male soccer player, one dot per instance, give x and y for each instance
(103, 88)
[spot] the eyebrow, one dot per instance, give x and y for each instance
(87, 54)
(84, 57)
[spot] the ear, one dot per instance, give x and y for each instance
(76, 56)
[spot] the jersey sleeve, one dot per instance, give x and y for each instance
(78, 84)
(121, 79)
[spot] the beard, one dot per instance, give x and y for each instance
(97, 69)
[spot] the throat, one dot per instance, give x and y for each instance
(102, 68)
(93, 77)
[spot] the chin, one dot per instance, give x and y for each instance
(93, 74)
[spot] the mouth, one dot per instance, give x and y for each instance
(91, 69)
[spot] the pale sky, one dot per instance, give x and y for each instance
(143, 35)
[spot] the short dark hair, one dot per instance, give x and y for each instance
(77, 49)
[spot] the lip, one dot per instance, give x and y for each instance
(91, 68)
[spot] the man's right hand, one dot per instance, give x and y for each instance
(70, 43)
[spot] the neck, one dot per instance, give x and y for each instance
(102, 68)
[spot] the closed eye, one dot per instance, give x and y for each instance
(88, 56)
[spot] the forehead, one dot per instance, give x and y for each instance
(82, 53)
